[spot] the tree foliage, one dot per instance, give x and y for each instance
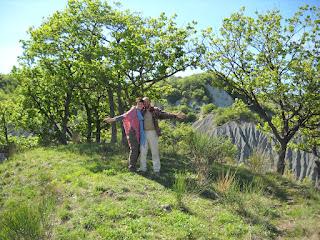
(271, 63)
(92, 60)
(10, 109)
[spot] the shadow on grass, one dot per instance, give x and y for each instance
(101, 156)
(171, 163)
(246, 178)
(185, 209)
(272, 184)
(84, 148)
(114, 156)
(254, 219)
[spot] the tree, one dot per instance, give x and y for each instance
(154, 49)
(9, 108)
(272, 65)
(58, 60)
(5, 119)
(90, 57)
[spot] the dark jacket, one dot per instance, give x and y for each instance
(157, 114)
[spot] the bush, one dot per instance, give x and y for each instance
(184, 108)
(198, 93)
(236, 112)
(255, 186)
(191, 117)
(208, 108)
(25, 143)
(174, 137)
(205, 150)
(258, 162)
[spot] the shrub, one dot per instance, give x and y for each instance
(191, 117)
(236, 112)
(174, 96)
(18, 144)
(258, 162)
(198, 93)
(205, 150)
(208, 108)
(255, 186)
(228, 186)
(184, 108)
(25, 143)
(289, 174)
(174, 137)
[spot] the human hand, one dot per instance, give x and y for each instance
(181, 115)
(109, 120)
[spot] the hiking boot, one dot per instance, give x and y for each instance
(141, 172)
(132, 170)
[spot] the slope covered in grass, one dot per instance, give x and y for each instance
(85, 192)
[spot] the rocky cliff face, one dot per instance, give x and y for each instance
(219, 97)
(248, 138)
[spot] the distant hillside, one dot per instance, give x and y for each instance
(249, 139)
(195, 91)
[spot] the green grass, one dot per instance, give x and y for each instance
(95, 197)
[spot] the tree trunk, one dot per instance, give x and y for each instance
(62, 138)
(89, 122)
(98, 125)
(65, 120)
(50, 117)
(281, 158)
(5, 129)
(121, 111)
(317, 172)
(112, 114)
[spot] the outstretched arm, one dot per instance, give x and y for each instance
(166, 115)
(114, 119)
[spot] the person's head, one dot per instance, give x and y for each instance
(146, 102)
(139, 103)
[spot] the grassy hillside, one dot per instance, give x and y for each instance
(85, 192)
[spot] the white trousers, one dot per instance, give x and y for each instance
(152, 139)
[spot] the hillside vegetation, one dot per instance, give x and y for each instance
(90, 61)
(85, 192)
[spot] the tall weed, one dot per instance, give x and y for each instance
(179, 188)
(258, 162)
(205, 150)
(228, 186)
(226, 181)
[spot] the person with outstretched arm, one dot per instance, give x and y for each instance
(152, 132)
(133, 126)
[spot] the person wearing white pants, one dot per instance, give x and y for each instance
(152, 139)
(152, 131)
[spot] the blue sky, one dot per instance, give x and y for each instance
(16, 16)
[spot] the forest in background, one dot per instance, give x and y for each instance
(66, 177)
(92, 59)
